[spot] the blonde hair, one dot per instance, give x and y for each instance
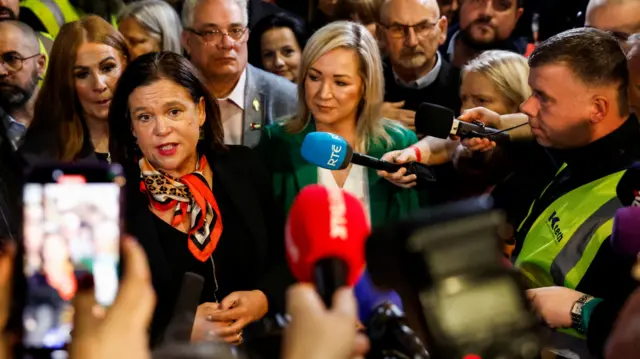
(508, 71)
(370, 126)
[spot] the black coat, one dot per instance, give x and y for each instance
(242, 179)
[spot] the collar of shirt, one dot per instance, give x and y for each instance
(15, 130)
(237, 94)
(451, 49)
(425, 80)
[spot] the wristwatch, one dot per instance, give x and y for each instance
(576, 312)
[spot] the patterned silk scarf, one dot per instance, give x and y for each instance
(189, 196)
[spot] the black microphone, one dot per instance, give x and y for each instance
(390, 336)
(440, 122)
(184, 314)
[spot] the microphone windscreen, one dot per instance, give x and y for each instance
(625, 237)
(628, 189)
(326, 150)
(434, 120)
(370, 297)
(325, 223)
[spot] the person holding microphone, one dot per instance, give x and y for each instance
(579, 115)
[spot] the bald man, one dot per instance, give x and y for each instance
(621, 17)
(633, 62)
(411, 31)
(21, 66)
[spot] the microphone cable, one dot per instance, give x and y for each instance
(508, 129)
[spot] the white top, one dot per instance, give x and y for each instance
(232, 112)
(425, 80)
(356, 184)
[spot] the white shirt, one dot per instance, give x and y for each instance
(232, 112)
(15, 131)
(425, 80)
(356, 184)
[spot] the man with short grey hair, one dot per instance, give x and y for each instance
(215, 37)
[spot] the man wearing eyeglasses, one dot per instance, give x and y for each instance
(411, 31)
(620, 17)
(21, 66)
(484, 25)
(215, 37)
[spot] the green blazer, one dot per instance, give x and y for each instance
(290, 172)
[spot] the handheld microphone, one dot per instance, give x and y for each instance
(371, 298)
(324, 239)
(440, 122)
(391, 337)
(184, 314)
(332, 152)
(625, 236)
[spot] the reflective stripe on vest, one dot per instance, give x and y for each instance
(566, 236)
(52, 13)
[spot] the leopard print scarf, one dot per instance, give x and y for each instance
(190, 196)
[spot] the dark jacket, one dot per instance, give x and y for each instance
(608, 276)
(10, 185)
(515, 43)
(444, 91)
(245, 183)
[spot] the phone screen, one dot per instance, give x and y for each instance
(71, 231)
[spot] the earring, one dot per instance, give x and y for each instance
(201, 133)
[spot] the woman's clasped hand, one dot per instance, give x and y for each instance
(225, 320)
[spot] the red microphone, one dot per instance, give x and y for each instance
(324, 240)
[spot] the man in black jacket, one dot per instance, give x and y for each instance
(579, 112)
(10, 174)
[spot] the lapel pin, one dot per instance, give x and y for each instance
(256, 126)
(256, 104)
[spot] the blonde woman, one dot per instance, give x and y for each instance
(340, 91)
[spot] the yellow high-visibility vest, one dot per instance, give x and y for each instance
(55, 13)
(566, 237)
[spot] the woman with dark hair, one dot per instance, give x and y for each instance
(195, 204)
(70, 114)
(276, 44)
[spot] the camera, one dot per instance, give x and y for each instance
(447, 265)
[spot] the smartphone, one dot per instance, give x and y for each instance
(71, 228)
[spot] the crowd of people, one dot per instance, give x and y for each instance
(205, 104)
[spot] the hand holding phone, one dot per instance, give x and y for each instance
(122, 333)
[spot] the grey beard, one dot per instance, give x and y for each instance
(16, 97)
(413, 61)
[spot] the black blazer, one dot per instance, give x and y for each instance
(244, 178)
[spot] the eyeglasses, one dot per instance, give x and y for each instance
(208, 36)
(399, 31)
(13, 62)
